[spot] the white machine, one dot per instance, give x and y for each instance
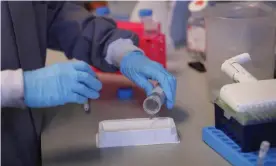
(232, 67)
(255, 99)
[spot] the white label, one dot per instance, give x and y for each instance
(196, 38)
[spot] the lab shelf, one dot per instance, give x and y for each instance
(230, 151)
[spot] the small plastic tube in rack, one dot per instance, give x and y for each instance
(262, 153)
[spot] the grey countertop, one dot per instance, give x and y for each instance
(70, 137)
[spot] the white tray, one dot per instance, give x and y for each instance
(133, 132)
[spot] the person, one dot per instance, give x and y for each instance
(172, 15)
(27, 29)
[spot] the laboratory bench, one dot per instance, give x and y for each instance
(70, 137)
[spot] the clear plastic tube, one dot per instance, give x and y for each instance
(153, 103)
(86, 107)
(262, 152)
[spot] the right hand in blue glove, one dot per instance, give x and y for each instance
(139, 69)
(71, 82)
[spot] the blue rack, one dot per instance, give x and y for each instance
(230, 151)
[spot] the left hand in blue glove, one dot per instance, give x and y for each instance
(140, 69)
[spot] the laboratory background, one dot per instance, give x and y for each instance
(223, 56)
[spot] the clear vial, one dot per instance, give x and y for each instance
(153, 103)
(86, 107)
(265, 145)
(150, 26)
(196, 37)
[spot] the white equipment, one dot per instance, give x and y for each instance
(255, 99)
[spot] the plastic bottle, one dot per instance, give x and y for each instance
(150, 26)
(196, 37)
(161, 13)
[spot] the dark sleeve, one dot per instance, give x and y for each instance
(83, 36)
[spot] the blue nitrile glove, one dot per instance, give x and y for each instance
(71, 82)
(139, 69)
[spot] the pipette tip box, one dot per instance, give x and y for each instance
(231, 152)
(134, 132)
(248, 137)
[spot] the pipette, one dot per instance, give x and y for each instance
(86, 105)
(153, 103)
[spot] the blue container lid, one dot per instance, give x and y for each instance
(125, 93)
(101, 11)
(145, 12)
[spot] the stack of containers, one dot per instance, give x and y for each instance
(196, 37)
(153, 40)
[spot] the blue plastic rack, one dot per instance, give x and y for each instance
(231, 152)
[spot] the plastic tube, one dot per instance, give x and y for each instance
(86, 107)
(262, 152)
(153, 103)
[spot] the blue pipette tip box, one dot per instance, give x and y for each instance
(231, 152)
(125, 93)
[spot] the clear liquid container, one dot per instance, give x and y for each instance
(153, 103)
(196, 37)
(150, 26)
(236, 28)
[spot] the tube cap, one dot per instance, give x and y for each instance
(125, 93)
(197, 5)
(145, 12)
(101, 11)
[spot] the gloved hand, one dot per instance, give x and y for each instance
(71, 82)
(139, 69)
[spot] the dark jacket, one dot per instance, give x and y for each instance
(27, 29)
